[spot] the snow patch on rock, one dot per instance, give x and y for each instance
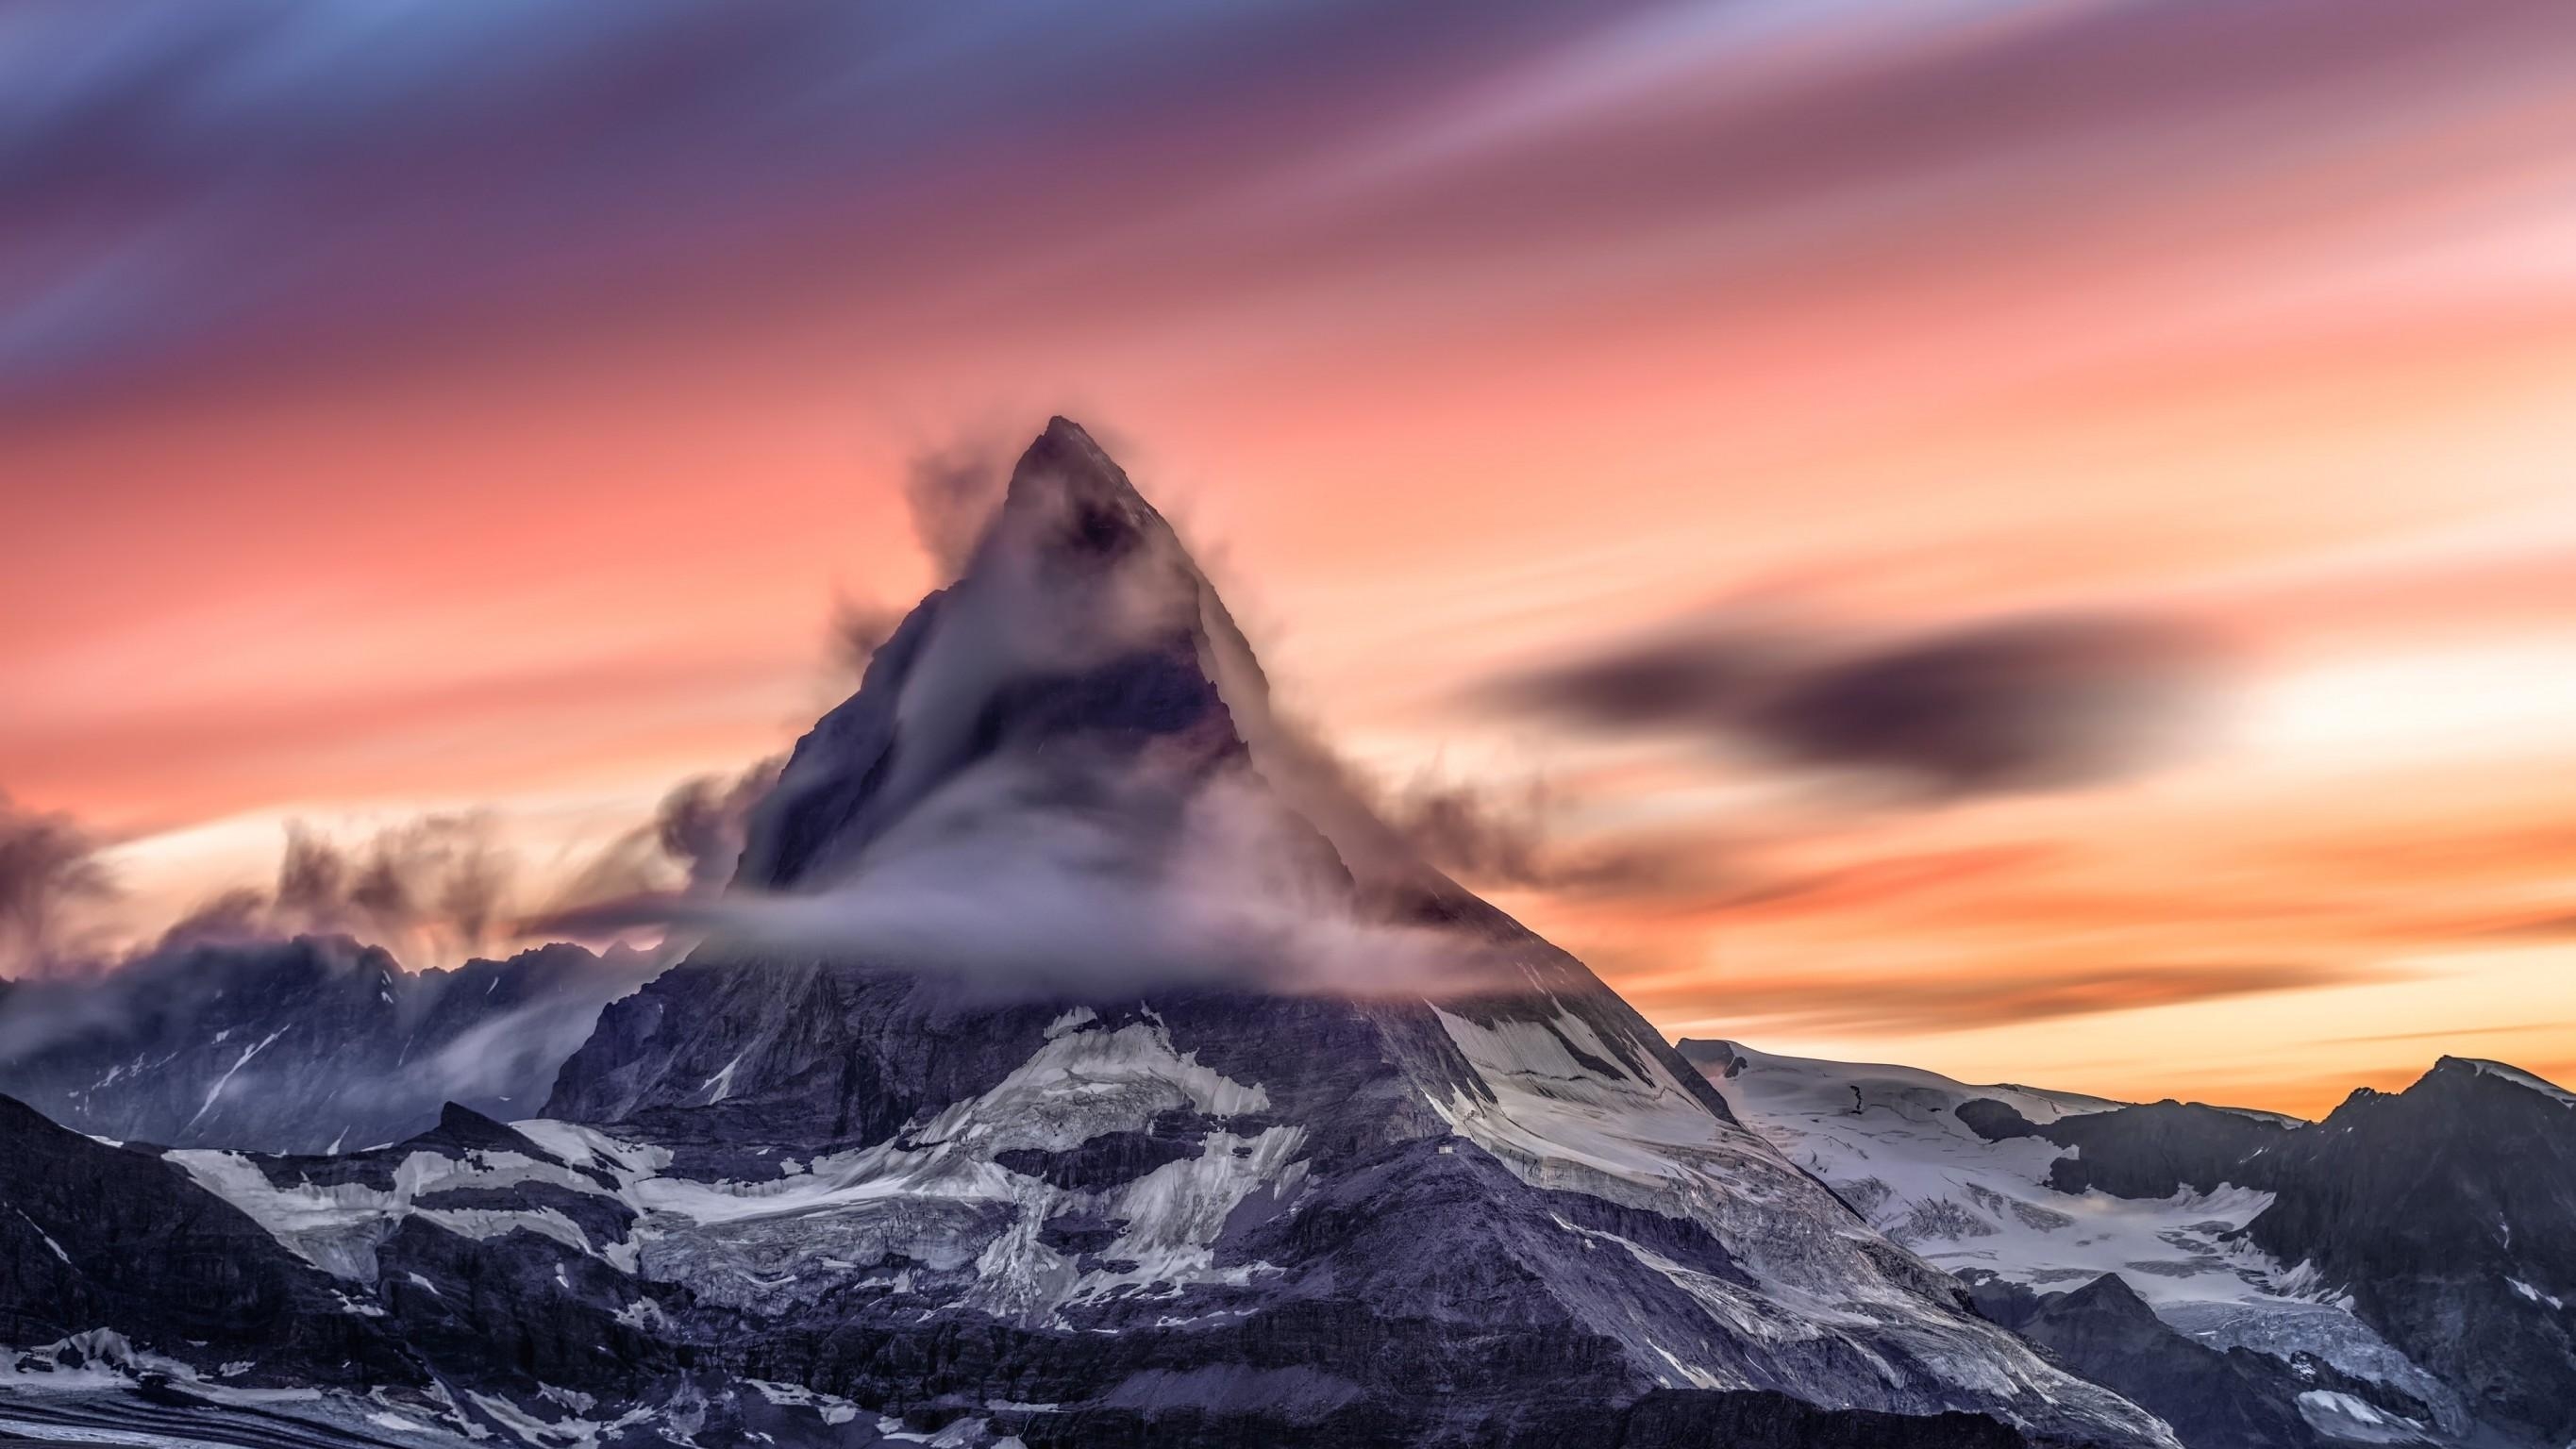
(2520, 1078)
(337, 1226)
(934, 1195)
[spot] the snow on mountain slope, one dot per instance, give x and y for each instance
(990, 1211)
(1562, 1122)
(2520, 1078)
(335, 1225)
(81, 1389)
(1003, 1205)
(1891, 1142)
(2445, 1215)
(939, 1196)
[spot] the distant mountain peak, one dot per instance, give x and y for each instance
(302, 1044)
(2112, 1291)
(462, 1126)
(2502, 1072)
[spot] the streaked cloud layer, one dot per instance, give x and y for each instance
(418, 408)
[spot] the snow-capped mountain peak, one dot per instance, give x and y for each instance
(2514, 1075)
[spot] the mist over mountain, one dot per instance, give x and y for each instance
(308, 1044)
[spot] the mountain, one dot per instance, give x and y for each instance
(96, 1237)
(485, 1280)
(434, 1292)
(2398, 1271)
(1160, 1181)
(1074, 1061)
(2214, 1398)
(304, 1045)
(2447, 1215)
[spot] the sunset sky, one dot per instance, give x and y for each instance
(432, 408)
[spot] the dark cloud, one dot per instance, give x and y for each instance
(237, 915)
(1482, 834)
(2013, 705)
(49, 869)
(433, 891)
(488, 1034)
(1147, 875)
(1852, 885)
(1467, 833)
(256, 174)
(226, 176)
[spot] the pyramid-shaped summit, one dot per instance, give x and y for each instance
(1080, 622)
(1109, 1159)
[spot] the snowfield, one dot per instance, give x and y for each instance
(1889, 1141)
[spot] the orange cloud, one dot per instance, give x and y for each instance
(1932, 1002)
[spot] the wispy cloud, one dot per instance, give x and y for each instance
(2446, 1033)
(1931, 1002)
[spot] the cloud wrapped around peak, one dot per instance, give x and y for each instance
(1062, 777)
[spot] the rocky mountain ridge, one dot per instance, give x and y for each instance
(301, 1045)
(2398, 1269)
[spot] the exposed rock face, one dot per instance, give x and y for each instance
(465, 1282)
(2231, 1398)
(1663, 1419)
(301, 1045)
(97, 1237)
(2153, 1150)
(2448, 1213)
